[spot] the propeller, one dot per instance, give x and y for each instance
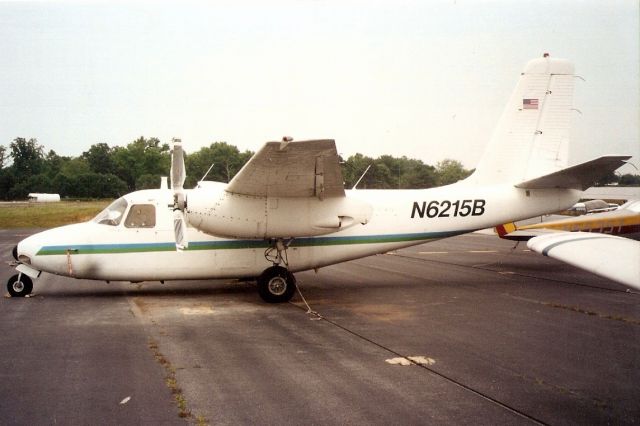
(179, 200)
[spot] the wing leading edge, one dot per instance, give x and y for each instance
(611, 257)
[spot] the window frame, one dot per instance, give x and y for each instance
(133, 224)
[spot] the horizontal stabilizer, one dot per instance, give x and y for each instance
(611, 257)
(581, 176)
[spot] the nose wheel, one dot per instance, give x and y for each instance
(276, 285)
(19, 285)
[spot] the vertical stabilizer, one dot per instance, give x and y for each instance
(532, 136)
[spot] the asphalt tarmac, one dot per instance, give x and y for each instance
(496, 335)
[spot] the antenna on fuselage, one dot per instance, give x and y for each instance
(207, 172)
(365, 172)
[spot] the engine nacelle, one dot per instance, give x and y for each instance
(226, 214)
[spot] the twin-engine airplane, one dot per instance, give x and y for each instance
(287, 209)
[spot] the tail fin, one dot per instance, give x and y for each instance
(532, 136)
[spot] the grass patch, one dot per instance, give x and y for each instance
(588, 312)
(171, 382)
(48, 215)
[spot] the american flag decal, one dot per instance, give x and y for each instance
(529, 104)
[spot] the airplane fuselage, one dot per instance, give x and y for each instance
(134, 250)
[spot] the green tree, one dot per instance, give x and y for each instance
(226, 159)
(100, 158)
(608, 179)
(353, 168)
(141, 157)
(148, 181)
(7, 181)
(3, 153)
(450, 171)
(629, 180)
(89, 185)
(36, 183)
(28, 157)
(392, 171)
(53, 164)
(387, 172)
(417, 175)
(74, 166)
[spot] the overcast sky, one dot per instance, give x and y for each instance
(425, 79)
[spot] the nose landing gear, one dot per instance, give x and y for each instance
(19, 285)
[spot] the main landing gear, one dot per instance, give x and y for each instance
(276, 284)
(19, 285)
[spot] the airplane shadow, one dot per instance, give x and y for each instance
(245, 290)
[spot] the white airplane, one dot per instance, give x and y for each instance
(287, 209)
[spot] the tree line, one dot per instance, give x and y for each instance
(106, 172)
(109, 172)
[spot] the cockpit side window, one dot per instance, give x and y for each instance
(112, 215)
(141, 216)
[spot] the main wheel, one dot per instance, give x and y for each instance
(276, 285)
(19, 285)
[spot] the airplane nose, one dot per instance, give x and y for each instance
(26, 249)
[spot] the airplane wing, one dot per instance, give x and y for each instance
(580, 176)
(291, 169)
(286, 190)
(609, 256)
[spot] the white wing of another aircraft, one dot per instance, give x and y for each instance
(609, 256)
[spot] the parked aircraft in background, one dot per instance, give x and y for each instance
(625, 221)
(287, 209)
(589, 242)
(593, 206)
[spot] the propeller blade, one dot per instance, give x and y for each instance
(178, 173)
(180, 230)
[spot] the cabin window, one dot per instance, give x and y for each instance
(141, 216)
(112, 215)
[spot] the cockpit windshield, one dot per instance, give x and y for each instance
(112, 215)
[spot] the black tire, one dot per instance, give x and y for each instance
(19, 285)
(276, 285)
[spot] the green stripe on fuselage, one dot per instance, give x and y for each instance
(76, 249)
